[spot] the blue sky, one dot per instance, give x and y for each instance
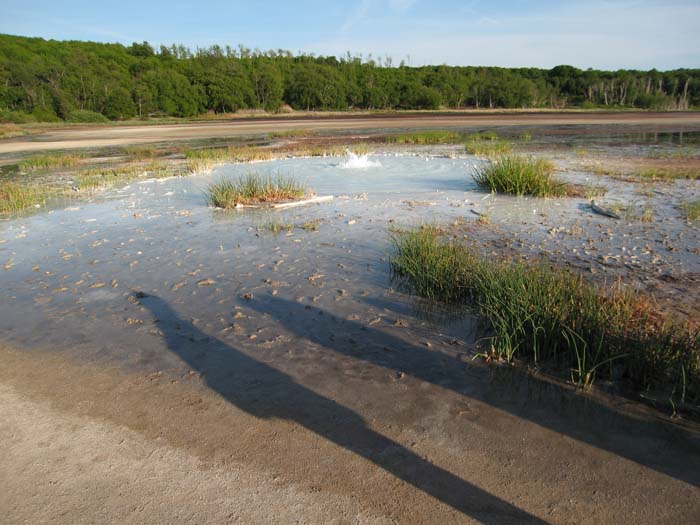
(606, 34)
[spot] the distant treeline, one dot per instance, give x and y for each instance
(86, 81)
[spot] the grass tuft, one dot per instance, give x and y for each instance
(691, 210)
(487, 145)
(539, 313)
(254, 188)
(277, 227)
(518, 175)
(426, 137)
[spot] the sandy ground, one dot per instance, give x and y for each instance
(70, 138)
(83, 444)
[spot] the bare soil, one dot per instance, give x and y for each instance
(86, 444)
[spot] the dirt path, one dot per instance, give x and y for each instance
(86, 137)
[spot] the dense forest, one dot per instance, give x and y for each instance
(47, 80)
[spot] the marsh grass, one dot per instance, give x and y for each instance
(277, 227)
(602, 170)
(426, 137)
(487, 147)
(484, 135)
(685, 152)
(97, 178)
(312, 226)
(47, 162)
(691, 210)
(331, 150)
(293, 133)
(361, 148)
(589, 192)
(669, 173)
(15, 197)
(519, 175)
(141, 152)
(633, 212)
(545, 314)
(254, 188)
(484, 219)
(203, 160)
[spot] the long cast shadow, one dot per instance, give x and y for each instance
(584, 419)
(265, 392)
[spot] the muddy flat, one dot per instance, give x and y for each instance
(92, 137)
(164, 361)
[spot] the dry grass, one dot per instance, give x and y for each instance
(48, 162)
(97, 178)
(15, 197)
(141, 152)
(8, 131)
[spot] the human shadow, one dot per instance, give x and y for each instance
(265, 392)
(545, 403)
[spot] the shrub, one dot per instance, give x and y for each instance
(85, 115)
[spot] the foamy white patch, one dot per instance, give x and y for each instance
(362, 162)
